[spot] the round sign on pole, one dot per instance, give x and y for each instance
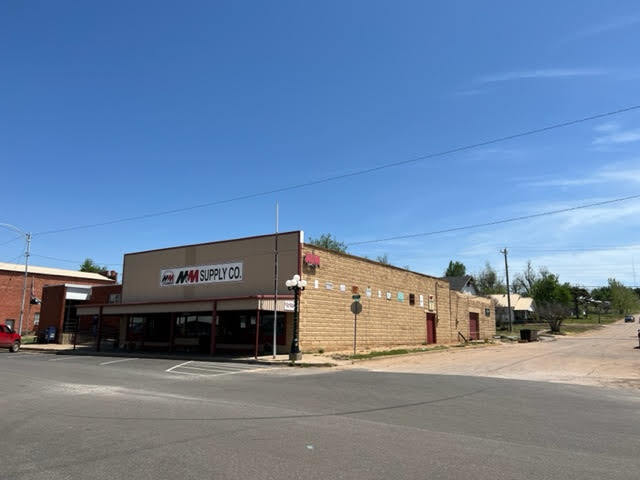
(356, 308)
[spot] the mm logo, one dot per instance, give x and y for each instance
(188, 276)
(167, 278)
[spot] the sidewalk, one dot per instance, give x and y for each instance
(309, 360)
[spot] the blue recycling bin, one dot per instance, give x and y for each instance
(50, 334)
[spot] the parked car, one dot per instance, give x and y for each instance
(629, 319)
(9, 339)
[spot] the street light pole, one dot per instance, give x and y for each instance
(297, 285)
(26, 268)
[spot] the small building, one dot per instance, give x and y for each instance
(219, 297)
(59, 310)
(523, 308)
(463, 284)
(12, 284)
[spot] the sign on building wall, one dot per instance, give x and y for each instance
(222, 272)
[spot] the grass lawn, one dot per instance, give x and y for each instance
(384, 353)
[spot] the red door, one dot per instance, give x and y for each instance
(474, 326)
(431, 328)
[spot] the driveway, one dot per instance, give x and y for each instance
(603, 357)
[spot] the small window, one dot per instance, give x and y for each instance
(412, 299)
(487, 312)
(36, 318)
(10, 324)
(114, 298)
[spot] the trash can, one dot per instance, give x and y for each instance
(525, 335)
(534, 336)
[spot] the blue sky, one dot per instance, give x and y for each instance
(117, 109)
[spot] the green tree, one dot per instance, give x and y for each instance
(581, 298)
(553, 300)
(488, 282)
(523, 282)
(602, 294)
(328, 241)
(455, 269)
(623, 299)
(90, 266)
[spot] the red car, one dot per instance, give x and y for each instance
(9, 339)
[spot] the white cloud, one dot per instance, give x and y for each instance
(615, 173)
(470, 93)
(616, 23)
(618, 136)
(607, 127)
(541, 73)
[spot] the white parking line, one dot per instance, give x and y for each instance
(219, 374)
(176, 366)
(118, 361)
(65, 357)
(220, 366)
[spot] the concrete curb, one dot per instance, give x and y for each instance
(159, 356)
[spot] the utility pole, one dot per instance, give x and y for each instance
(275, 289)
(506, 270)
(24, 285)
(27, 252)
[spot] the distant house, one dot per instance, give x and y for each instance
(463, 284)
(523, 308)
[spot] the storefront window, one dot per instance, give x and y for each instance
(193, 325)
(239, 328)
(136, 327)
(149, 328)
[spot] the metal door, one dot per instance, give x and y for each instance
(474, 326)
(431, 328)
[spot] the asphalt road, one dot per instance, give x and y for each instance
(65, 417)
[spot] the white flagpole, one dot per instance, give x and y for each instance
(275, 288)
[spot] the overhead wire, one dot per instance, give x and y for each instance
(495, 222)
(12, 240)
(332, 178)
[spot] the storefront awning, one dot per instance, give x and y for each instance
(285, 304)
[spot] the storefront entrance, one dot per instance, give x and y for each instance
(236, 332)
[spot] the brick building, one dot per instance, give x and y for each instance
(59, 310)
(11, 286)
(172, 297)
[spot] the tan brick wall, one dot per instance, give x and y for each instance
(326, 321)
(461, 305)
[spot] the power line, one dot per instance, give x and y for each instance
(349, 175)
(12, 240)
(66, 260)
(254, 254)
(496, 222)
(15, 258)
